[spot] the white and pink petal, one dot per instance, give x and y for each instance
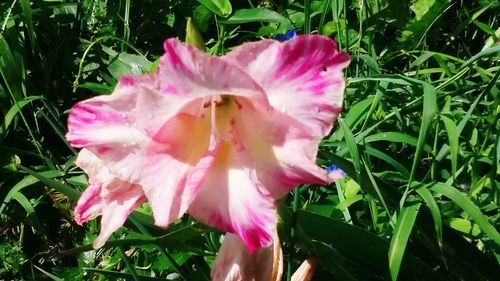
(114, 207)
(232, 199)
(283, 150)
(302, 77)
(235, 263)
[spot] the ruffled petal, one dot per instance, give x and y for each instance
(235, 263)
(233, 200)
(283, 149)
(106, 196)
(302, 77)
(117, 206)
(90, 205)
(176, 166)
(186, 71)
(118, 128)
(114, 208)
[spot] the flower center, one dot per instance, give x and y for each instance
(221, 110)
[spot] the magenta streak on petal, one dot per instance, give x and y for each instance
(254, 237)
(289, 62)
(84, 113)
(258, 237)
(127, 81)
(172, 55)
(89, 204)
(103, 149)
(340, 60)
(169, 89)
(328, 108)
(316, 88)
(75, 142)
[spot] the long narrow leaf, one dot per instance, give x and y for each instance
(404, 226)
(469, 207)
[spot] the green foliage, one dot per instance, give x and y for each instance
(418, 138)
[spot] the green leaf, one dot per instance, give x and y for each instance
(465, 226)
(221, 8)
(30, 211)
(356, 113)
(469, 207)
(122, 63)
(404, 226)
(452, 132)
(255, 15)
(28, 21)
(353, 117)
(99, 88)
(429, 111)
(352, 145)
(11, 69)
(329, 28)
(360, 246)
(72, 193)
(13, 111)
(193, 35)
(116, 275)
(493, 51)
(484, 27)
(26, 181)
(48, 274)
(389, 78)
(332, 259)
(202, 17)
(348, 239)
(370, 62)
(429, 200)
(396, 137)
(388, 159)
(426, 14)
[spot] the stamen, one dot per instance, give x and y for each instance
(213, 123)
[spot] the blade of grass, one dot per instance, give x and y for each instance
(452, 132)
(25, 182)
(396, 137)
(70, 192)
(404, 226)
(381, 89)
(30, 212)
(28, 20)
(353, 147)
(429, 111)
(375, 186)
(13, 111)
(388, 159)
(429, 200)
(48, 274)
(469, 207)
(162, 251)
(115, 275)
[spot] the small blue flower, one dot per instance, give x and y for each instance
(288, 35)
(335, 172)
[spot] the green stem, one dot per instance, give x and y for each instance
(307, 16)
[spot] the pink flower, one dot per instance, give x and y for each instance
(221, 138)
(235, 263)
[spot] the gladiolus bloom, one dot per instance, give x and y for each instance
(221, 138)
